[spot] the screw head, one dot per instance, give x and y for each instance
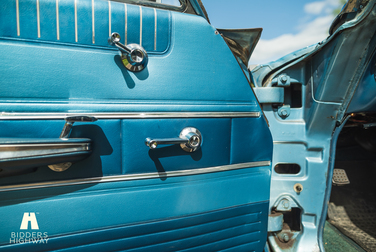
(284, 78)
(285, 237)
(298, 188)
(283, 112)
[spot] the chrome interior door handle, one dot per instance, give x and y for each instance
(190, 140)
(65, 133)
(134, 56)
(69, 123)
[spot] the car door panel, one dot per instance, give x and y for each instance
(126, 195)
(110, 206)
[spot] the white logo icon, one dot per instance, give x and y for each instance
(29, 217)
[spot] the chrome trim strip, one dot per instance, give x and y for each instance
(38, 18)
(109, 18)
(140, 25)
(131, 115)
(126, 25)
(9, 152)
(93, 20)
(44, 145)
(18, 17)
(57, 21)
(155, 29)
(75, 21)
(140, 176)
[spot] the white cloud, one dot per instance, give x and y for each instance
(315, 7)
(272, 49)
(308, 34)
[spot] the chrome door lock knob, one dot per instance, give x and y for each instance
(190, 140)
(133, 56)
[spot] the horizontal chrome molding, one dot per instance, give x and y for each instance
(131, 115)
(128, 177)
(12, 151)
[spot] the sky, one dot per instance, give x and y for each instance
(287, 25)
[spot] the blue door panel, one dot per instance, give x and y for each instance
(47, 11)
(98, 76)
(73, 22)
(28, 19)
(9, 28)
(93, 85)
(84, 23)
(148, 29)
(101, 14)
(125, 195)
(119, 146)
(66, 21)
(134, 201)
(103, 161)
(118, 21)
(163, 22)
(245, 146)
(134, 24)
(193, 232)
(216, 139)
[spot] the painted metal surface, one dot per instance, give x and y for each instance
(329, 73)
(364, 99)
(126, 195)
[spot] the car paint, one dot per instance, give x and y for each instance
(336, 78)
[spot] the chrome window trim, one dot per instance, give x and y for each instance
(181, 8)
(128, 177)
(124, 115)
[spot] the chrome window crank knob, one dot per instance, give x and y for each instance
(190, 140)
(133, 56)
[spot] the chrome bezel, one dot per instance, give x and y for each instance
(188, 147)
(129, 63)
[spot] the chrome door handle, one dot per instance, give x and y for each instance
(190, 140)
(65, 133)
(69, 123)
(134, 56)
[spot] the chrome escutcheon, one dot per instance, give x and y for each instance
(133, 56)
